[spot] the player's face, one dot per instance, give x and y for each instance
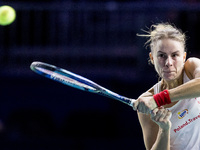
(168, 58)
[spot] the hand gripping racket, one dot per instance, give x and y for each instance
(76, 81)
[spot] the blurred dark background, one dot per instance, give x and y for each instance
(96, 39)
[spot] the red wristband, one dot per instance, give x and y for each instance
(162, 98)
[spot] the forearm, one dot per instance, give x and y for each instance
(162, 141)
(187, 90)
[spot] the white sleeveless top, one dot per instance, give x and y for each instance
(185, 130)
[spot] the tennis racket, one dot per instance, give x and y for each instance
(71, 79)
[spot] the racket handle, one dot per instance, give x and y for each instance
(132, 102)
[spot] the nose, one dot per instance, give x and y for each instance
(169, 61)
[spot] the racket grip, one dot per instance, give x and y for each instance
(132, 102)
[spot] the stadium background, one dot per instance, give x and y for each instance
(96, 39)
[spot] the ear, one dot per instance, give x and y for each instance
(184, 56)
(151, 57)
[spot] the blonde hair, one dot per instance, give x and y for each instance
(161, 31)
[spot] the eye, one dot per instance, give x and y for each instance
(161, 55)
(175, 55)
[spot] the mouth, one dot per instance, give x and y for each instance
(168, 72)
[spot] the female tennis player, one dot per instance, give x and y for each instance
(169, 112)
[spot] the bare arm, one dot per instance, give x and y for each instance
(161, 117)
(191, 88)
(149, 130)
(155, 127)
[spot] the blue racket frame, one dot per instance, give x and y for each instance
(76, 81)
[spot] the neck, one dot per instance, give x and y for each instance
(172, 83)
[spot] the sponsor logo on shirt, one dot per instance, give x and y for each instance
(198, 102)
(187, 122)
(182, 113)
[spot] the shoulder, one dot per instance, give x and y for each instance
(192, 67)
(193, 60)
